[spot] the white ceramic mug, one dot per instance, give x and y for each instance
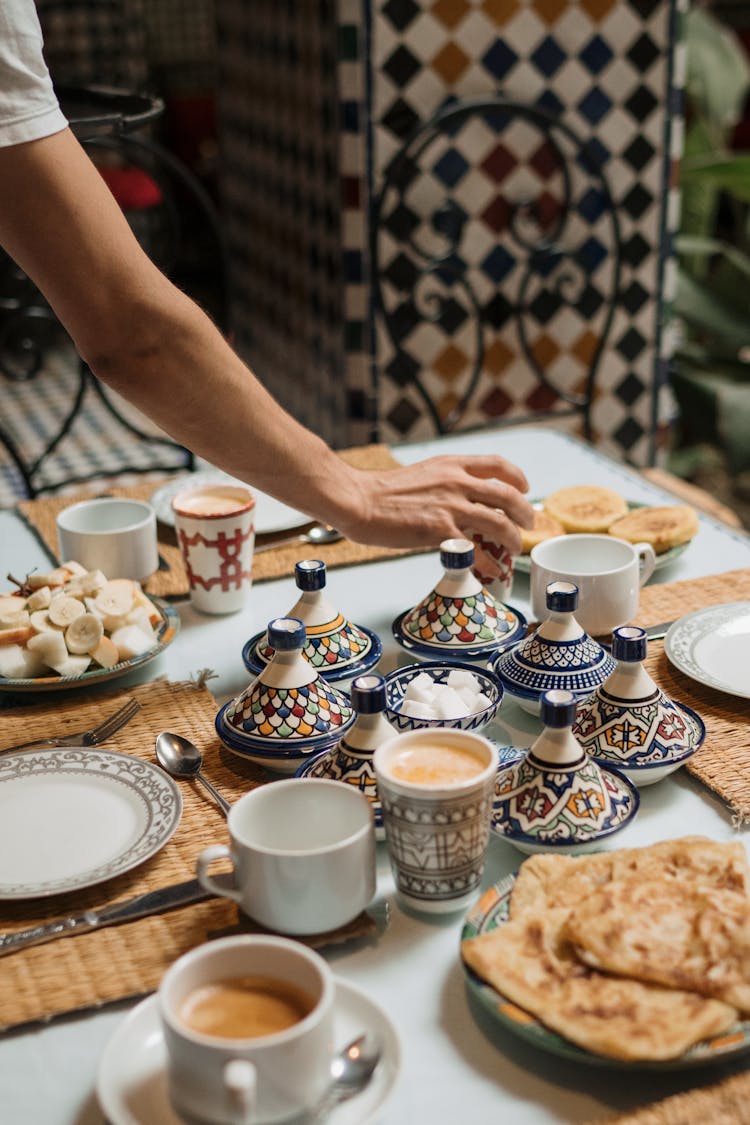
(436, 814)
(216, 532)
(244, 1079)
(303, 854)
(111, 534)
(608, 572)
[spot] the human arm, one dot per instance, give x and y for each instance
(147, 340)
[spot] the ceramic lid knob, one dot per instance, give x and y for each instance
(629, 644)
(558, 709)
(367, 695)
(285, 634)
(310, 574)
(457, 554)
(562, 597)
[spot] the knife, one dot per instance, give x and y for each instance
(151, 902)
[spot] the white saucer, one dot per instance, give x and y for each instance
(271, 515)
(131, 1082)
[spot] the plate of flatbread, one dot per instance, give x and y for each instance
(594, 509)
(634, 958)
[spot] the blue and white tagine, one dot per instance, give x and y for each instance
(630, 723)
(557, 798)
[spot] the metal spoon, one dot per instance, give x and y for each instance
(317, 535)
(351, 1070)
(182, 758)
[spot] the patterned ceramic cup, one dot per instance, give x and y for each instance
(501, 586)
(216, 534)
(436, 790)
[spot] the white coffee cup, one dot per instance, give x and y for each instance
(436, 814)
(303, 854)
(244, 1079)
(216, 532)
(111, 534)
(607, 571)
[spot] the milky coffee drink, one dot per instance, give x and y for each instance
(441, 765)
(245, 1007)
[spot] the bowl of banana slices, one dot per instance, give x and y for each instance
(72, 623)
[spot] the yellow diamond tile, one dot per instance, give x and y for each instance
(446, 404)
(450, 63)
(585, 346)
(550, 10)
(501, 11)
(450, 12)
(597, 9)
(497, 357)
(545, 351)
(451, 362)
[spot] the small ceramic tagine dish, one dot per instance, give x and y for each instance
(288, 713)
(350, 760)
(559, 655)
(441, 694)
(631, 724)
(557, 798)
(459, 619)
(336, 648)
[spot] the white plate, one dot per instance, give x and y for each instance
(712, 646)
(131, 1082)
(523, 562)
(270, 515)
(75, 816)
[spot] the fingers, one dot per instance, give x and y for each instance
(493, 466)
(496, 526)
(496, 494)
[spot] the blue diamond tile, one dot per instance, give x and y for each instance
(548, 57)
(451, 167)
(498, 264)
(596, 55)
(593, 205)
(595, 105)
(550, 101)
(593, 155)
(500, 59)
(591, 254)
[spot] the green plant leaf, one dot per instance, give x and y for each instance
(718, 73)
(689, 244)
(700, 306)
(727, 173)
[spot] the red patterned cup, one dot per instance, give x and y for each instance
(499, 586)
(216, 534)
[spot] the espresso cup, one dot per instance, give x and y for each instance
(216, 533)
(302, 852)
(248, 1026)
(436, 790)
(111, 534)
(608, 572)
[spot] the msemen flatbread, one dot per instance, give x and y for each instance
(585, 507)
(527, 961)
(545, 527)
(668, 932)
(663, 528)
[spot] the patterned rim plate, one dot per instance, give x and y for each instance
(166, 631)
(459, 651)
(342, 672)
(523, 562)
(270, 515)
(75, 816)
(489, 913)
(712, 646)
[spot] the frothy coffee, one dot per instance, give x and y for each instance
(245, 1007)
(441, 765)
(211, 504)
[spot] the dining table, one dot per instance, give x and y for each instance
(456, 1063)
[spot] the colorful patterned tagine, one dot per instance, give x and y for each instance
(335, 647)
(630, 723)
(350, 760)
(289, 713)
(558, 655)
(459, 618)
(557, 798)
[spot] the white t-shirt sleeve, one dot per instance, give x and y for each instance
(28, 106)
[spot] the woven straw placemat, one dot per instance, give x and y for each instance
(170, 580)
(723, 762)
(118, 962)
(725, 1103)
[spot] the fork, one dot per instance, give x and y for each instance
(91, 737)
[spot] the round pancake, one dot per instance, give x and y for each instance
(662, 527)
(545, 527)
(586, 507)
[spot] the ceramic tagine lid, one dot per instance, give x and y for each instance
(459, 617)
(288, 712)
(629, 722)
(335, 647)
(558, 655)
(557, 798)
(350, 760)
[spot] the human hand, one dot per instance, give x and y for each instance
(440, 498)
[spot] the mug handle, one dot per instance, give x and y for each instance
(241, 1084)
(202, 864)
(646, 562)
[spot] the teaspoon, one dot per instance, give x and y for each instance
(182, 758)
(317, 535)
(351, 1070)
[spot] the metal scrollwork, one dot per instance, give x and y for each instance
(537, 230)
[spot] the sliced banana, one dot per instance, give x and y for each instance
(84, 633)
(41, 622)
(63, 609)
(131, 641)
(10, 603)
(74, 568)
(49, 647)
(14, 620)
(57, 577)
(40, 599)
(93, 581)
(116, 598)
(73, 666)
(106, 654)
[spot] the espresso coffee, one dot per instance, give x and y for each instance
(211, 504)
(245, 1007)
(427, 765)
